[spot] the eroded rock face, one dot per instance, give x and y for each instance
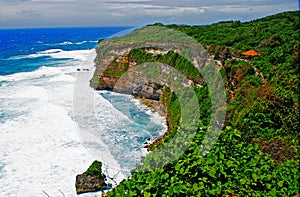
(149, 91)
(120, 74)
(87, 183)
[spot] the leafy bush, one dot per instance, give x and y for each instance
(230, 167)
(95, 170)
(262, 111)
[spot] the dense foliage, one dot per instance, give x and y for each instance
(231, 167)
(272, 106)
(257, 153)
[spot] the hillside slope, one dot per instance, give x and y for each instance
(257, 153)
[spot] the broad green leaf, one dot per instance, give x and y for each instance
(146, 194)
(221, 156)
(165, 176)
(243, 181)
(201, 185)
(254, 176)
(280, 183)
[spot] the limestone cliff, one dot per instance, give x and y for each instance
(120, 73)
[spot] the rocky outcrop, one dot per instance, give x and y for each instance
(91, 180)
(120, 71)
(88, 183)
(122, 74)
(149, 91)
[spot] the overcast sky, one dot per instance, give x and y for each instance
(68, 13)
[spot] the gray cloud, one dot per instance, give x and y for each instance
(43, 13)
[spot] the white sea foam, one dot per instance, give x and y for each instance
(42, 147)
(65, 43)
(126, 139)
(39, 73)
(62, 77)
(57, 54)
(77, 57)
(41, 153)
(78, 43)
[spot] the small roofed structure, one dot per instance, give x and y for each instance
(251, 53)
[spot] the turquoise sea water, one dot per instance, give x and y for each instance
(40, 146)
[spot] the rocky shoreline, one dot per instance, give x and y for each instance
(120, 74)
(147, 93)
(118, 71)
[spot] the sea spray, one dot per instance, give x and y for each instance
(41, 150)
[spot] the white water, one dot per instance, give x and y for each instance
(57, 54)
(78, 43)
(41, 148)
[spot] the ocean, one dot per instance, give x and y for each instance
(44, 141)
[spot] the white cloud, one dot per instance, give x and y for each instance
(116, 14)
(59, 1)
(31, 13)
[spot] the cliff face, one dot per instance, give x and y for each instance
(141, 73)
(122, 74)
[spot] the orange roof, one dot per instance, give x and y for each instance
(251, 53)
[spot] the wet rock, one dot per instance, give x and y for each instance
(88, 183)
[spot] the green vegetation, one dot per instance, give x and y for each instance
(95, 170)
(173, 59)
(231, 167)
(257, 153)
(112, 72)
(266, 109)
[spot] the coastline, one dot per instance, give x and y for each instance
(85, 132)
(252, 145)
(111, 168)
(159, 113)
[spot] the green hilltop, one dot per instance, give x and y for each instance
(257, 152)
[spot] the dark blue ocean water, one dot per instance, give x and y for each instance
(15, 44)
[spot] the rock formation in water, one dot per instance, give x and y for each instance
(88, 183)
(91, 180)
